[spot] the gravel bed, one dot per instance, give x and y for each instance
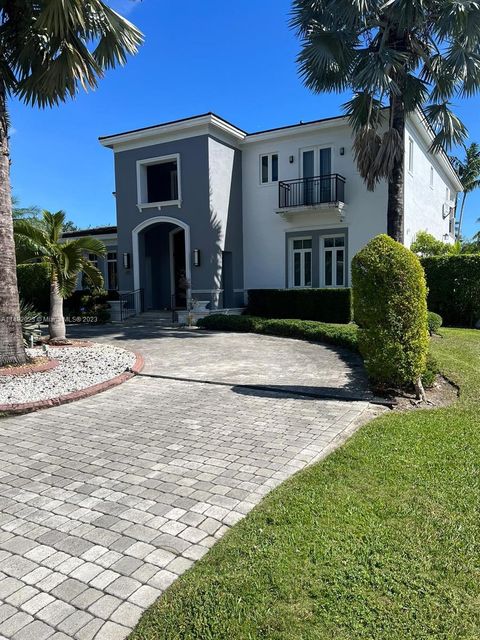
(79, 367)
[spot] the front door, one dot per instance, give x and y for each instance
(179, 270)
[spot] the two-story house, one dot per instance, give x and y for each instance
(206, 208)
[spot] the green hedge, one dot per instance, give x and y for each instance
(390, 303)
(343, 335)
(322, 305)
(34, 286)
(454, 288)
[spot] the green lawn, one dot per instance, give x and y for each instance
(381, 541)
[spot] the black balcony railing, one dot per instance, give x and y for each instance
(311, 191)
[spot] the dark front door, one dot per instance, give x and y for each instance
(179, 273)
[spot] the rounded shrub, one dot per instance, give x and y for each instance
(434, 322)
(390, 307)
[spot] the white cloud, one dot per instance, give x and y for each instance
(124, 7)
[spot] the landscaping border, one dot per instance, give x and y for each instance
(29, 407)
(29, 368)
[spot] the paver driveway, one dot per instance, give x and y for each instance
(104, 502)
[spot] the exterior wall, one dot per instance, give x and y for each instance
(211, 207)
(423, 203)
(265, 231)
(225, 171)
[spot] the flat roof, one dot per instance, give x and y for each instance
(94, 231)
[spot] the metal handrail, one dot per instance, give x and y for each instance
(311, 191)
(131, 303)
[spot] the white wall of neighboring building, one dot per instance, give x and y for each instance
(424, 201)
(265, 230)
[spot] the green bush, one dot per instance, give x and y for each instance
(434, 322)
(454, 288)
(34, 286)
(390, 307)
(431, 371)
(322, 305)
(344, 335)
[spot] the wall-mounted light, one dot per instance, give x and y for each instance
(291, 159)
(342, 151)
(126, 261)
(196, 257)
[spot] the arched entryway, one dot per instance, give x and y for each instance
(161, 262)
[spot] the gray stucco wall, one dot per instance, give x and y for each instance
(195, 210)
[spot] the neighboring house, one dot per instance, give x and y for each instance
(108, 264)
(205, 207)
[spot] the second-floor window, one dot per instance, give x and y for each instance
(158, 180)
(269, 168)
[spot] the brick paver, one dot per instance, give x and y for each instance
(104, 502)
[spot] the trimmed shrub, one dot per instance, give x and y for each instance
(431, 371)
(434, 322)
(344, 335)
(322, 305)
(390, 307)
(34, 286)
(454, 288)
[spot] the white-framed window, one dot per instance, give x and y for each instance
(316, 161)
(301, 262)
(432, 174)
(159, 181)
(268, 168)
(112, 271)
(93, 259)
(333, 261)
(451, 226)
(410, 155)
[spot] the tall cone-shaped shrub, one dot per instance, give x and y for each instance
(390, 307)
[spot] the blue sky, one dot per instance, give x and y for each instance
(234, 58)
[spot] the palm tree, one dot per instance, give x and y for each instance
(47, 51)
(469, 172)
(413, 55)
(65, 259)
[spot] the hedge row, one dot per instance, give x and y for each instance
(34, 286)
(322, 305)
(337, 334)
(454, 288)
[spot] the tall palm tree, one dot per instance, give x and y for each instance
(469, 172)
(48, 49)
(64, 259)
(407, 55)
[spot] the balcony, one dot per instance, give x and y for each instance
(321, 192)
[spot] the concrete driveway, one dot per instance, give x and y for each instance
(104, 502)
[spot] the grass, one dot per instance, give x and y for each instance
(344, 335)
(379, 541)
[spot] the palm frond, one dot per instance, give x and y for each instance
(449, 129)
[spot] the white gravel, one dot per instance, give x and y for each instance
(79, 367)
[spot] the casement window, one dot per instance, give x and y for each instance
(302, 262)
(158, 181)
(410, 155)
(432, 173)
(334, 261)
(112, 274)
(269, 168)
(451, 229)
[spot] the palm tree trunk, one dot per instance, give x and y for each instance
(56, 321)
(460, 221)
(12, 350)
(396, 193)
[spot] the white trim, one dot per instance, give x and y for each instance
(316, 158)
(269, 182)
(410, 156)
(295, 130)
(302, 253)
(136, 258)
(334, 250)
(156, 134)
(142, 182)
